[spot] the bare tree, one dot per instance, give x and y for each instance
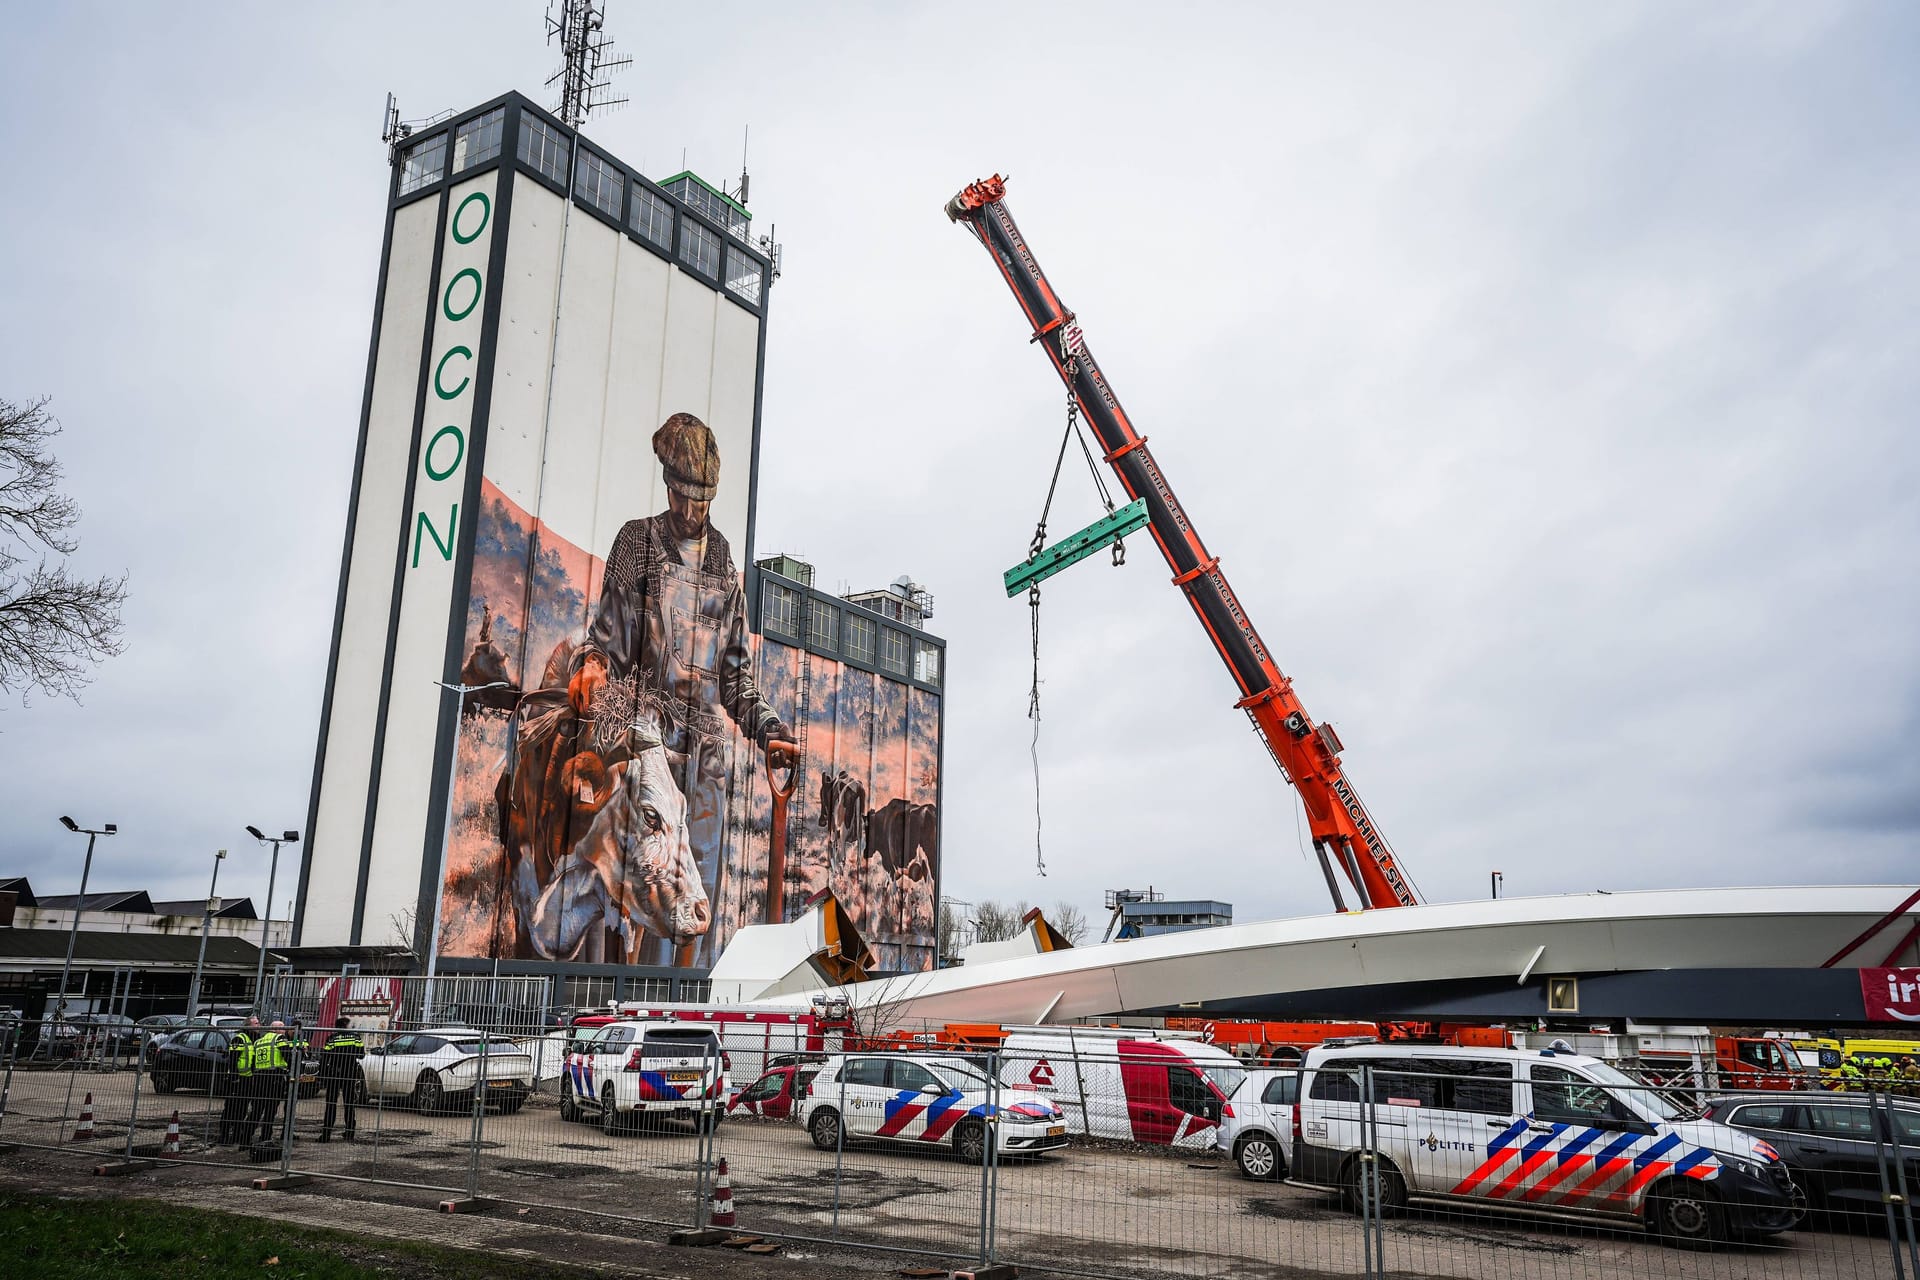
(1070, 922)
(54, 627)
(953, 932)
(996, 922)
(404, 928)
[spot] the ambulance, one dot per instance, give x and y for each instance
(1538, 1131)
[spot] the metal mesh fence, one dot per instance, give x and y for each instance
(1105, 1159)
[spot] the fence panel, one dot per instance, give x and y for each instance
(1144, 1186)
(1540, 1169)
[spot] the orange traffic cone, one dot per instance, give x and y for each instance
(171, 1145)
(722, 1197)
(84, 1129)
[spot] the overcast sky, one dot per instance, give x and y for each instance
(1544, 376)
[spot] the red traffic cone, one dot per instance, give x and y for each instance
(171, 1145)
(84, 1129)
(722, 1197)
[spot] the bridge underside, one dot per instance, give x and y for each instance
(1807, 998)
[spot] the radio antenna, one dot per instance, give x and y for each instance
(584, 66)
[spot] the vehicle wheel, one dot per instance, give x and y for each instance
(610, 1117)
(825, 1128)
(970, 1142)
(512, 1103)
(428, 1093)
(1259, 1158)
(1685, 1213)
(569, 1109)
(1392, 1187)
(161, 1084)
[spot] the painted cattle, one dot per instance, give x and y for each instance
(591, 843)
(633, 871)
(905, 838)
(843, 810)
(487, 664)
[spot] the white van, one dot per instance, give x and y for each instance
(1132, 1084)
(1539, 1131)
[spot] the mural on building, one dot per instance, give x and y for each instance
(612, 802)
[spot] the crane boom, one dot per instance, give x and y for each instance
(1308, 754)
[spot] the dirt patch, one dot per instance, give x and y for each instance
(1288, 1209)
(553, 1169)
(1489, 1239)
(860, 1190)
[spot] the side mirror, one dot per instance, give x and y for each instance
(934, 1090)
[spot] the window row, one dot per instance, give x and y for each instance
(785, 611)
(601, 186)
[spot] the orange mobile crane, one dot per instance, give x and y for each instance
(1308, 754)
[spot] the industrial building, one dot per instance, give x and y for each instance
(548, 574)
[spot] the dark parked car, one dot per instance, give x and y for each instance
(1827, 1141)
(197, 1059)
(108, 1033)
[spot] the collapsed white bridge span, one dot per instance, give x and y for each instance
(1780, 955)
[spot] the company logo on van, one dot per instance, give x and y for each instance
(1041, 1077)
(1434, 1143)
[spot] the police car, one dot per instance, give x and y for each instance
(629, 1071)
(1538, 1131)
(926, 1102)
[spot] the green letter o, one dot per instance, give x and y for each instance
(486, 214)
(460, 451)
(446, 297)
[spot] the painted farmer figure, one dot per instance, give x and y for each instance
(673, 619)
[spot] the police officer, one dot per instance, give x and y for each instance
(236, 1114)
(269, 1077)
(340, 1072)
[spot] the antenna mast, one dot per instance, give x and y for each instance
(585, 66)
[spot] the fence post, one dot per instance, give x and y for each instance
(702, 1143)
(478, 1131)
(839, 1143)
(1372, 1265)
(133, 1112)
(1893, 1188)
(293, 1100)
(13, 1034)
(992, 1156)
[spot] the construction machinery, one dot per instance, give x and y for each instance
(1307, 753)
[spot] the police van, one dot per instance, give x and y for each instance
(1542, 1131)
(627, 1072)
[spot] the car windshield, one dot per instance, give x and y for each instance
(680, 1044)
(493, 1046)
(1648, 1102)
(964, 1076)
(1225, 1079)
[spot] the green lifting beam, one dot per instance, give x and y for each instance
(1103, 532)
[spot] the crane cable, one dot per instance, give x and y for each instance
(1039, 543)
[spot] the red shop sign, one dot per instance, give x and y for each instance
(1891, 995)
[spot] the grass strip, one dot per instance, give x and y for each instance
(48, 1236)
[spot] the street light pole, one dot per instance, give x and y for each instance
(206, 926)
(79, 905)
(460, 692)
(266, 919)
